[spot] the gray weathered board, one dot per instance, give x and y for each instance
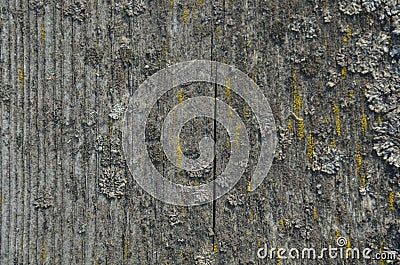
(328, 68)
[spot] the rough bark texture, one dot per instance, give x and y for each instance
(328, 68)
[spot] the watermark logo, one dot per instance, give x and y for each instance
(342, 250)
(138, 160)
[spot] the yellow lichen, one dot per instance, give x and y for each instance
(337, 233)
(178, 151)
(296, 101)
(236, 135)
(227, 89)
(348, 253)
(21, 76)
(185, 14)
(310, 147)
(344, 72)
(165, 49)
(301, 129)
(126, 247)
(281, 222)
(294, 75)
(290, 124)
(362, 178)
(347, 36)
(381, 260)
(42, 32)
(297, 105)
(218, 33)
(246, 111)
(43, 252)
(251, 217)
(315, 212)
(363, 122)
(358, 159)
(248, 187)
(351, 93)
(391, 201)
(336, 112)
(278, 256)
(214, 247)
(110, 128)
(171, 3)
(380, 119)
(180, 96)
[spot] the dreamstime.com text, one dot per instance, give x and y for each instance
(341, 251)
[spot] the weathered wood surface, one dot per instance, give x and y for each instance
(67, 65)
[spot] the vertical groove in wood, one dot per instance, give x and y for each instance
(33, 150)
(14, 77)
(58, 137)
(67, 136)
(41, 140)
(27, 141)
(3, 86)
(90, 135)
(55, 110)
(19, 176)
(97, 92)
(5, 145)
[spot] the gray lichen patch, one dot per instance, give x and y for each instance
(125, 52)
(327, 159)
(371, 5)
(354, 7)
(131, 8)
(112, 182)
(205, 258)
(5, 93)
(175, 217)
(93, 57)
(306, 26)
(117, 111)
(77, 10)
(43, 200)
(383, 96)
(350, 7)
(39, 5)
(284, 141)
(366, 55)
(235, 200)
(332, 77)
(113, 177)
(309, 59)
